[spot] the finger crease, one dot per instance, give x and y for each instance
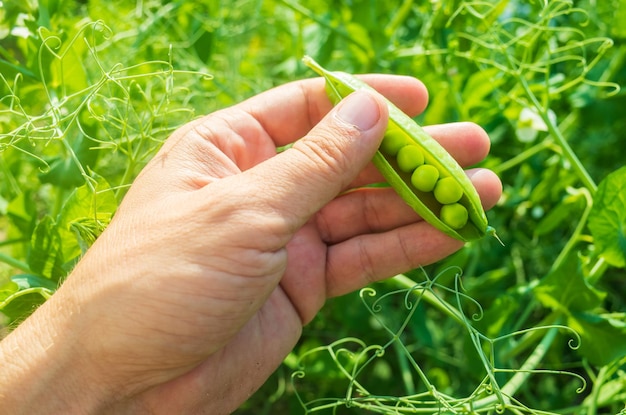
(367, 263)
(370, 212)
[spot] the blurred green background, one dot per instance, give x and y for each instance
(90, 89)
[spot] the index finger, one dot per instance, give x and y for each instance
(290, 111)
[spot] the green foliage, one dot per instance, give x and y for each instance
(359, 364)
(89, 91)
(607, 221)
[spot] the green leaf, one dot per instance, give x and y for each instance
(84, 216)
(607, 219)
(480, 86)
(361, 44)
(602, 339)
(7, 288)
(22, 213)
(26, 281)
(45, 256)
(607, 391)
(22, 303)
(439, 106)
(22, 294)
(64, 170)
(498, 317)
(565, 288)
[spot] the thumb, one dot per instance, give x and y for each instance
(300, 181)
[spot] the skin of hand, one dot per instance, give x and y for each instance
(222, 250)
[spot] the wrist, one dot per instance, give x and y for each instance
(42, 368)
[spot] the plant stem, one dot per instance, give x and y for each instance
(597, 271)
(553, 129)
(556, 133)
(523, 156)
(548, 143)
(405, 370)
(530, 338)
(604, 375)
(569, 154)
(513, 385)
(9, 260)
(430, 298)
(582, 223)
(399, 17)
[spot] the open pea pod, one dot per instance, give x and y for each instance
(418, 168)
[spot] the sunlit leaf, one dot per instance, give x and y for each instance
(480, 86)
(22, 303)
(607, 220)
(23, 294)
(7, 287)
(84, 216)
(26, 281)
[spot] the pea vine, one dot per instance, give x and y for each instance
(126, 109)
(352, 357)
(530, 61)
(536, 326)
(74, 133)
(527, 53)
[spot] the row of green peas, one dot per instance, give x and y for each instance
(426, 177)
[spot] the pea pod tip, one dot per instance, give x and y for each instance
(491, 231)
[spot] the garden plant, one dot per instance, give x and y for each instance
(531, 323)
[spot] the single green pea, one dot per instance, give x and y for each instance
(448, 190)
(454, 215)
(393, 141)
(425, 177)
(410, 157)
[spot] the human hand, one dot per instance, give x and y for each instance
(222, 250)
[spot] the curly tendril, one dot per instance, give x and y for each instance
(352, 357)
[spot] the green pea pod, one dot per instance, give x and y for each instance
(341, 84)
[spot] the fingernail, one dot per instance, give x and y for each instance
(360, 110)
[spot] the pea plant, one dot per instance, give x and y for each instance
(534, 325)
(537, 61)
(353, 358)
(60, 157)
